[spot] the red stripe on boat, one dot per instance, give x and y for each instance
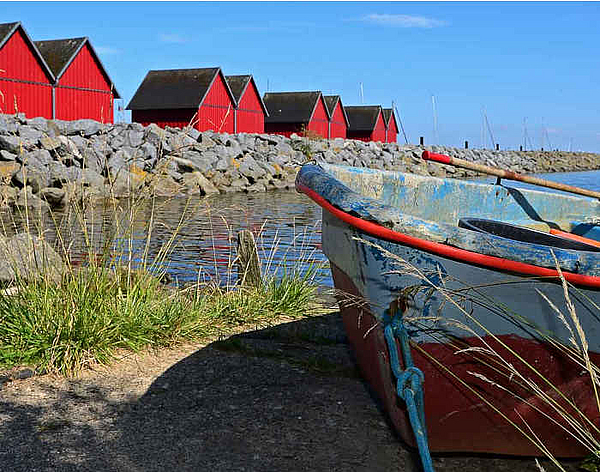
(462, 255)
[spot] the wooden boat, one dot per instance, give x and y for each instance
(392, 237)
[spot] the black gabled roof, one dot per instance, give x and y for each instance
(175, 88)
(8, 29)
(387, 113)
(59, 53)
(238, 85)
(330, 103)
(362, 118)
(290, 107)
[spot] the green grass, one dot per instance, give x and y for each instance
(93, 312)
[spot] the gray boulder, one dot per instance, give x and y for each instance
(165, 186)
(68, 151)
(60, 175)
(154, 135)
(25, 258)
(196, 181)
(184, 165)
(250, 169)
(81, 142)
(12, 144)
(118, 161)
(239, 185)
(135, 137)
(117, 136)
(94, 160)
(91, 178)
(179, 143)
(203, 161)
(125, 184)
(84, 127)
(233, 148)
(256, 187)
(39, 123)
(58, 127)
(148, 151)
(26, 199)
(192, 133)
(7, 156)
(50, 143)
(37, 158)
(8, 126)
(205, 141)
(30, 134)
(223, 164)
(54, 196)
(31, 176)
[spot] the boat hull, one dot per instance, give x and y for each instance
(465, 410)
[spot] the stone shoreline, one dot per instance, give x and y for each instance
(52, 162)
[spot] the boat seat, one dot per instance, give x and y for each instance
(523, 234)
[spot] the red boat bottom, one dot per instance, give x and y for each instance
(459, 418)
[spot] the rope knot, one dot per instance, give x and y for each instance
(410, 379)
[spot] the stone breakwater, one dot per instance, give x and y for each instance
(51, 162)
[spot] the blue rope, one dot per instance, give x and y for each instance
(409, 385)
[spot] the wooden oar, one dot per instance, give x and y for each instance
(507, 174)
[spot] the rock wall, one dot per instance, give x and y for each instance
(51, 162)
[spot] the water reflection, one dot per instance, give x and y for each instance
(286, 225)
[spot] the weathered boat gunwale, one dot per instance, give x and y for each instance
(498, 253)
(453, 303)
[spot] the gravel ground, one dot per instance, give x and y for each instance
(283, 398)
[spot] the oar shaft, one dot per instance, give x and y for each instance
(506, 174)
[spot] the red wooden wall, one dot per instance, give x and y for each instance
(250, 114)
(337, 126)
(319, 122)
(216, 112)
(24, 85)
(84, 91)
(85, 72)
(379, 130)
(75, 104)
(175, 118)
(392, 130)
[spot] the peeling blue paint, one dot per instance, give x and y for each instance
(429, 208)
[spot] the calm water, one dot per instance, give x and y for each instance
(286, 224)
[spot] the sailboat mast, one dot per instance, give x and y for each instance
(435, 121)
(400, 120)
(482, 130)
(489, 128)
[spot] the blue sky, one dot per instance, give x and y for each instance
(537, 61)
